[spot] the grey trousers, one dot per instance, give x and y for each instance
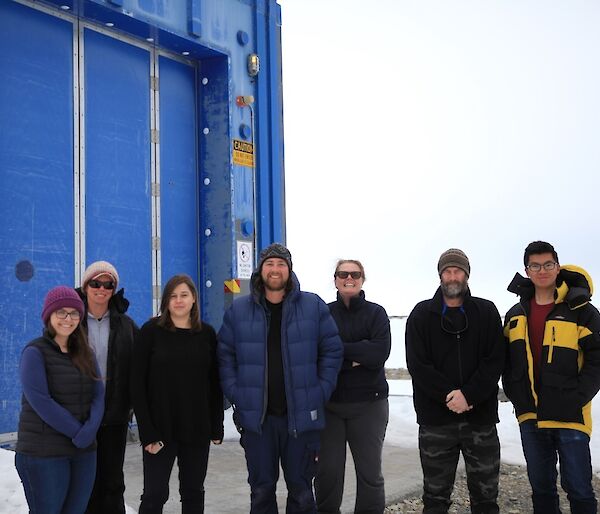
(439, 448)
(361, 425)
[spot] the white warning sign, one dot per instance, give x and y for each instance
(244, 259)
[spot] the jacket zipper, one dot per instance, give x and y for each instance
(266, 374)
(287, 375)
(460, 371)
(551, 350)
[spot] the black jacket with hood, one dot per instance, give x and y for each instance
(118, 367)
(570, 364)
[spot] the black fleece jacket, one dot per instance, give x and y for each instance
(441, 359)
(365, 331)
(123, 330)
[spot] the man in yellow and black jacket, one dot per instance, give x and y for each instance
(552, 374)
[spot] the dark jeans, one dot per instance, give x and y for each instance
(439, 448)
(107, 495)
(192, 462)
(542, 447)
(298, 457)
(362, 425)
(57, 485)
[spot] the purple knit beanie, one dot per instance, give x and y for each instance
(59, 298)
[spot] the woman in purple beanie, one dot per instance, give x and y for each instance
(61, 409)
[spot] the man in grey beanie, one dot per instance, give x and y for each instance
(279, 355)
(455, 354)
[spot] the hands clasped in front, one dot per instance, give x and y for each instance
(456, 402)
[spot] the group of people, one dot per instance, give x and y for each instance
(547, 354)
(306, 380)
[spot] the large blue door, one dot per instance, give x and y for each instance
(36, 181)
(178, 170)
(95, 164)
(118, 175)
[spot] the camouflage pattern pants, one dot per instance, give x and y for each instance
(439, 448)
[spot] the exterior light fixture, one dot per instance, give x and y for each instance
(253, 65)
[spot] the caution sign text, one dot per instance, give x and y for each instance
(243, 153)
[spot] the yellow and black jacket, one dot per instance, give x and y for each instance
(570, 367)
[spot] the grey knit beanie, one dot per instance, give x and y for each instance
(97, 269)
(454, 257)
(275, 250)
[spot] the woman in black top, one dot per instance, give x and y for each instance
(357, 412)
(177, 398)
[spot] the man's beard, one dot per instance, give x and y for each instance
(277, 284)
(454, 289)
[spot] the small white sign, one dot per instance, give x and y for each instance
(244, 259)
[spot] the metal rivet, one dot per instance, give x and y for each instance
(205, 130)
(204, 81)
(207, 232)
(206, 181)
(150, 39)
(109, 24)
(208, 283)
(185, 53)
(65, 7)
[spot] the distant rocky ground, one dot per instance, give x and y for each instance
(514, 491)
(397, 374)
(514, 494)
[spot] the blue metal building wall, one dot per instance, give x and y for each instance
(220, 203)
(36, 161)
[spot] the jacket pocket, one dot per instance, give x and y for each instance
(559, 399)
(518, 387)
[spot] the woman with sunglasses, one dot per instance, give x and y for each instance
(357, 413)
(110, 333)
(177, 398)
(62, 406)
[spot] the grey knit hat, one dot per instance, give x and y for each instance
(454, 257)
(275, 250)
(97, 269)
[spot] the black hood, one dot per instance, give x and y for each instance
(118, 302)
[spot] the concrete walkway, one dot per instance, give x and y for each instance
(227, 490)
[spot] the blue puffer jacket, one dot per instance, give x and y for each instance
(311, 350)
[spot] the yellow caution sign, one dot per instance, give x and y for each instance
(232, 286)
(243, 153)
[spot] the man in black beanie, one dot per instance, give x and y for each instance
(279, 355)
(455, 355)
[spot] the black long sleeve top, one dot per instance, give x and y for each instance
(175, 385)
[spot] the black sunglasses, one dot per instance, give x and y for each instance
(96, 284)
(344, 274)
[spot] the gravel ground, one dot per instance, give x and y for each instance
(514, 496)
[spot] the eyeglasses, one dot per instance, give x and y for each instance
(536, 267)
(63, 314)
(344, 274)
(97, 284)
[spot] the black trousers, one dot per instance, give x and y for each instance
(107, 495)
(192, 462)
(362, 427)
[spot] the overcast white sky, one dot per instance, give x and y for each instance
(412, 126)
